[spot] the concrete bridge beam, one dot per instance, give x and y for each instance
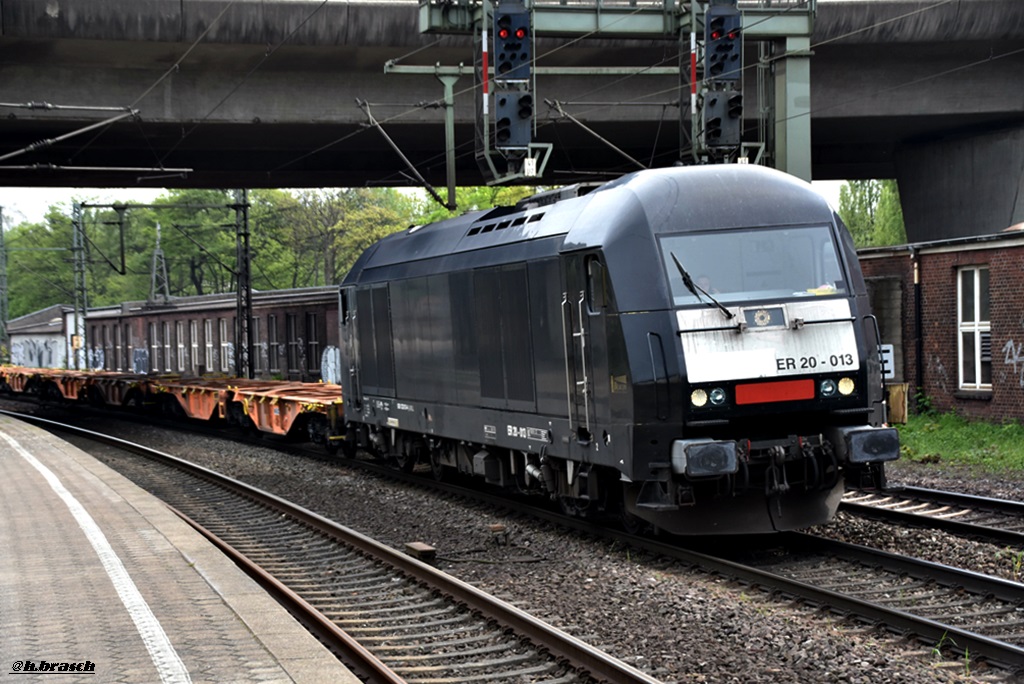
(964, 185)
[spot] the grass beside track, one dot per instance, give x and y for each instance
(947, 438)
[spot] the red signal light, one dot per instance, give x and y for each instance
(503, 34)
(733, 35)
(520, 33)
(715, 35)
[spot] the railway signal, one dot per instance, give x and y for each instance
(513, 115)
(722, 43)
(512, 43)
(723, 118)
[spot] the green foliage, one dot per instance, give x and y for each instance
(39, 270)
(475, 198)
(298, 239)
(949, 438)
(872, 213)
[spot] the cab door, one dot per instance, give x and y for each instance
(583, 302)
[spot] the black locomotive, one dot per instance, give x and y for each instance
(690, 347)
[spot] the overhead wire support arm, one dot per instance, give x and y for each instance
(450, 204)
(556, 105)
(171, 173)
(46, 106)
(48, 142)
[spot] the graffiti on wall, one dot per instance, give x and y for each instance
(39, 353)
(330, 365)
(1013, 356)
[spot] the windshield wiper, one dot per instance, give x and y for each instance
(697, 289)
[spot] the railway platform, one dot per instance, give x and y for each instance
(101, 582)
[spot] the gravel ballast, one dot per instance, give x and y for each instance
(673, 622)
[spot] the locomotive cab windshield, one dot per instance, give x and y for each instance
(760, 264)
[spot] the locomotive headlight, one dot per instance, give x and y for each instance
(718, 396)
(846, 386)
(698, 397)
(828, 388)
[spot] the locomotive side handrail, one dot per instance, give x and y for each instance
(565, 345)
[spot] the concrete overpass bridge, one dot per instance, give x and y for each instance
(262, 93)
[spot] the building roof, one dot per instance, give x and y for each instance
(213, 302)
(48, 321)
(1011, 237)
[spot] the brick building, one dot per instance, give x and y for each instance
(954, 312)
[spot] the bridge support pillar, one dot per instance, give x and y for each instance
(961, 186)
(793, 108)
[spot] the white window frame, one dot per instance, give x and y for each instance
(225, 345)
(255, 358)
(154, 349)
(291, 333)
(312, 343)
(977, 327)
(118, 351)
(193, 331)
(165, 329)
(273, 358)
(208, 339)
(179, 337)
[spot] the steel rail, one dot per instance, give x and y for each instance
(1002, 654)
(881, 506)
(560, 644)
(1005, 655)
(364, 664)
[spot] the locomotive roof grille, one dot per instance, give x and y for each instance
(518, 221)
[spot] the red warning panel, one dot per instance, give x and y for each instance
(768, 392)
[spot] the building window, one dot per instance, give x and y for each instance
(273, 360)
(312, 342)
(255, 358)
(165, 329)
(975, 338)
(208, 340)
(118, 351)
(292, 340)
(179, 337)
(193, 341)
(108, 350)
(225, 345)
(154, 349)
(129, 362)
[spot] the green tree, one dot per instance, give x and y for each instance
(889, 226)
(362, 228)
(298, 239)
(39, 272)
(871, 211)
(476, 198)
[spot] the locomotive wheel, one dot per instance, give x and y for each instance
(436, 467)
(577, 508)
(406, 462)
(631, 524)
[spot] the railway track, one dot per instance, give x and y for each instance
(980, 618)
(977, 616)
(394, 618)
(994, 520)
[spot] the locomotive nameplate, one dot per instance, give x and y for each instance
(771, 351)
